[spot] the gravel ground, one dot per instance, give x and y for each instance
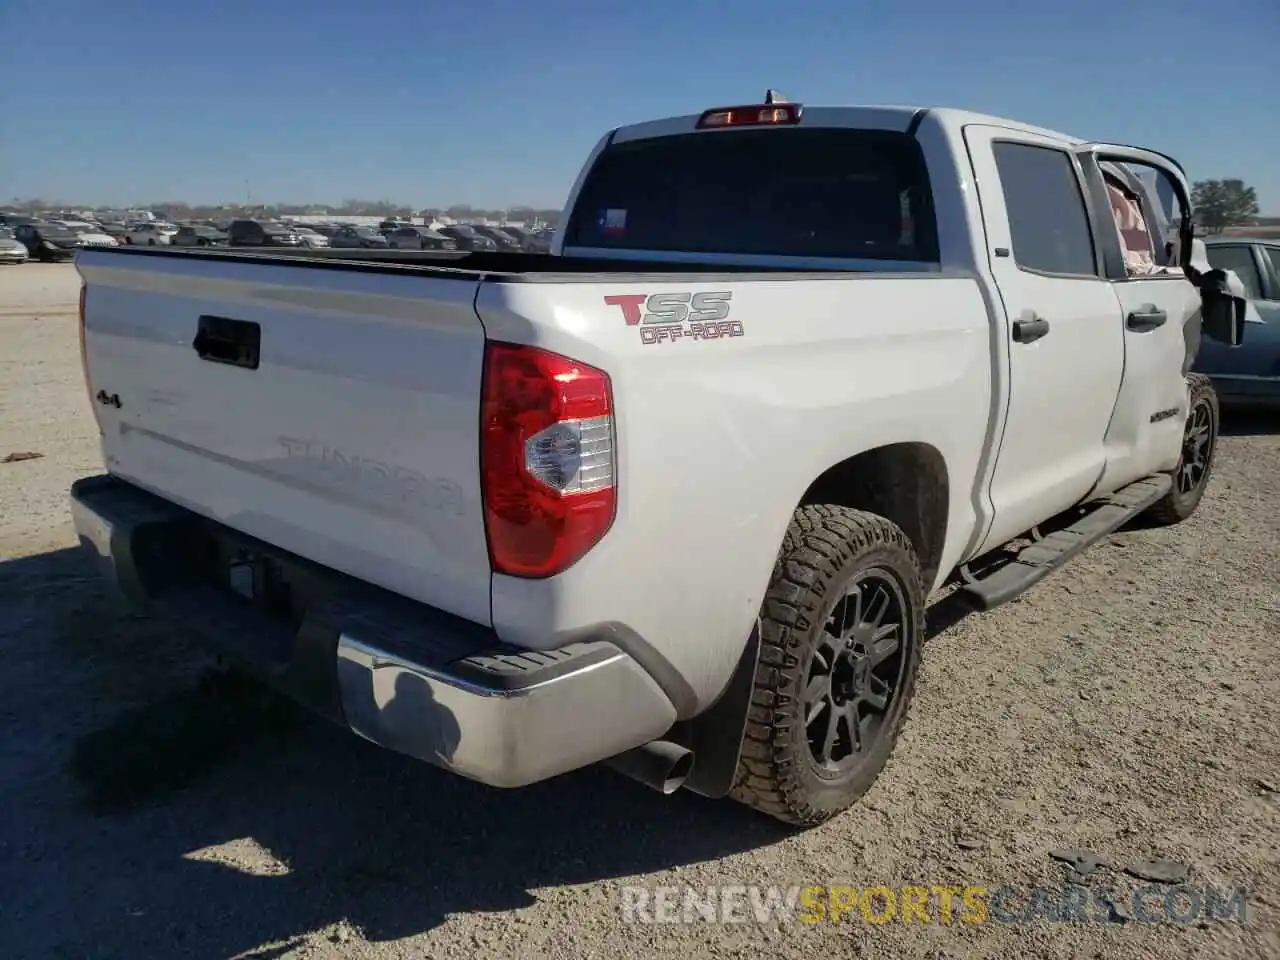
(1128, 706)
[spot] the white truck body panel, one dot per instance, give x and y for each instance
(717, 446)
(354, 444)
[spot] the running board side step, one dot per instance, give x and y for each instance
(1035, 562)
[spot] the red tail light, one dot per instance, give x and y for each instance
(546, 459)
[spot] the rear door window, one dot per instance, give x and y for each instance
(1048, 221)
(799, 192)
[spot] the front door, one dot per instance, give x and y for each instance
(1145, 435)
(1065, 345)
(1159, 309)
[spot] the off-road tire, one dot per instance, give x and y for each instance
(824, 549)
(1177, 505)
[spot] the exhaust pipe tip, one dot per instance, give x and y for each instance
(660, 765)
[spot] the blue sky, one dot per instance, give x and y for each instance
(495, 102)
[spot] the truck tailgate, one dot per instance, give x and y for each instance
(331, 412)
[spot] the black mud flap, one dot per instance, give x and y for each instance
(715, 735)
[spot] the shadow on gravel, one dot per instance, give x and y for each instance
(127, 763)
(945, 613)
(1244, 422)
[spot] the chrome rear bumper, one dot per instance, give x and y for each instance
(552, 722)
(402, 675)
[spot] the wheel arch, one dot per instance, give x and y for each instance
(908, 484)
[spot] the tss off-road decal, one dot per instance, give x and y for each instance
(673, 317)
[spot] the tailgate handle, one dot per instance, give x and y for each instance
(234, 342)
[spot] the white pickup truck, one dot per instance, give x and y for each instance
(673, 496)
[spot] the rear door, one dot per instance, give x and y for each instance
(1066, 351)
(332, 413)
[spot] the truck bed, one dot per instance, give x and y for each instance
(473, 265)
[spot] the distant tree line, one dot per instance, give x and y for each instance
(1219, 204)
(180, 210)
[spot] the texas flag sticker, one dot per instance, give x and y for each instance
(613, 222)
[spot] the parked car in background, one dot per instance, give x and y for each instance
(363, 237)
(324, 229)
(91, 233)
(529, 241)
(116, 230)
(1248, 375)
(46, 241)
(502, 240)
(467, 237)
(393, 223)
(310, 237)
(200, 236)
(150, 234)
(263, 233)
(419, 238)
(11, 251)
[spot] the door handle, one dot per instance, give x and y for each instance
(1029, 331)
(1146, 317)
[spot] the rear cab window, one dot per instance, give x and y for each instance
(818, 192)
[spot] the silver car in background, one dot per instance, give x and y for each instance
(310, 238)
(11, 251)
(199, 235)
(361, 237)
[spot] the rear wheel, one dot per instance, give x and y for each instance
(841, 633)
(1199, 442)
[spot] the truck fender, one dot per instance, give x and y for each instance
(715, 735)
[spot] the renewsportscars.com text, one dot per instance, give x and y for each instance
(936, 904)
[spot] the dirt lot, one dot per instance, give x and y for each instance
(1129, 706)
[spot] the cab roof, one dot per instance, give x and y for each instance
(899, 118)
